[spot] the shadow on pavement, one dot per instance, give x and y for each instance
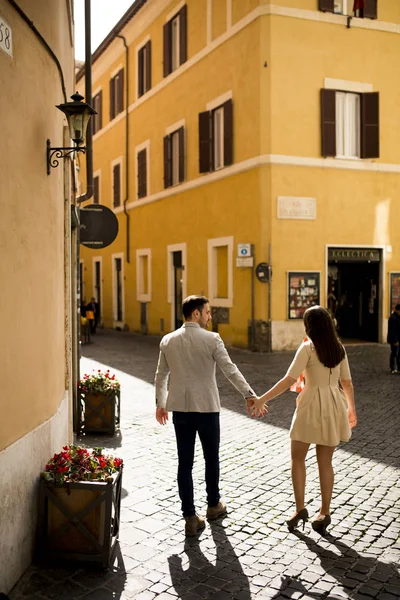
(225, 576)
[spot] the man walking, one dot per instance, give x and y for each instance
(189, 357)
(393, 338)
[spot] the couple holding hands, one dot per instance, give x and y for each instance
(325, 411)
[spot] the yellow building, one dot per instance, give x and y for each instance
(229, 123)
(36, 74)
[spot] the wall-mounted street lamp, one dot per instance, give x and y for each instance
(78, 114)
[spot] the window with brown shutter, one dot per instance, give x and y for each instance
(117, 94)
(181, 134)
(96, 190)
(120, 91)
(328, 123)
(144, 69)
(326, 5)
(147, 71)
(98, 107)
(174, 157)
(216, 138)
(142, 173)
(116, 185)
(175, 41)
(205, 141)
(370, 125)
(228, 133)
(370, 10)
(167, 162)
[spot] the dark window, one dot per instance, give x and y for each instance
(117, 94)
(97, 120)
(96, 190)
(117, 185)
(144, 69)
(349, 124)
(142, 173)
(175, 41)
(216, 138)
(367, 9)
(174, 158)
(118, 269)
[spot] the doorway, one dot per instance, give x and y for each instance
(354, 294)
(178, 287)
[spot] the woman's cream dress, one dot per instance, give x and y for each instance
(321, 413)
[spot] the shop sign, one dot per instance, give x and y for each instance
(353, 254)
(98, 226)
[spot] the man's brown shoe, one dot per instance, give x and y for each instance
(194, 525)
(215, 512)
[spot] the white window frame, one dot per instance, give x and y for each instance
(213, 244)
(98, 174)
(97, 259)
(343, 10)
(170, 131)
(348, 124)
(144, 146)
(113, 74)
(170, 276)
(117, 161)
(137, 50)
(218, 138)
(141, 296)
(120, 255)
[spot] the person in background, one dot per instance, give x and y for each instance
(393, 338)
(92, 314)
(188, 356)
(325, 413)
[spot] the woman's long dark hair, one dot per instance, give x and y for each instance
(320, 329)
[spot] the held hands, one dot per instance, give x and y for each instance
(162, 416)
(256, 407)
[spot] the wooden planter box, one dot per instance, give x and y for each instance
(99, 413)
(79, 521)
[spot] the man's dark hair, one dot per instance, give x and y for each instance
(397, 307)
(192, 303)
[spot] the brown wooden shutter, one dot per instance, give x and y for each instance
(204, 142)
(167, 48)
(370, 125)
(112, 98)
(183, 34)
(327, 5)
(148, 67)
(167, 161)
(140, 72)
(117, 185)
(328, 122)
(120, 83)
(370, 10)
(95, 190)
(142, 173)
(100, 110)
(228, 133)
(181, 133)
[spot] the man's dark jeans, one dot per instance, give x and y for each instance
(187, 424)
(394, 357)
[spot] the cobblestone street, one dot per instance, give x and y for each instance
(249, 554)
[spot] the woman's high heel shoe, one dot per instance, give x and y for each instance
(302, 515)
(320, 525)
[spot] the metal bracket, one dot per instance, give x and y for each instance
(54, 154)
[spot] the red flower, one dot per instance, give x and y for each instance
(117, 462)
(62, 469)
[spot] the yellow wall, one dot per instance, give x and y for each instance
(219, 18)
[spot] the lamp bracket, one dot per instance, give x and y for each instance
(54, 154)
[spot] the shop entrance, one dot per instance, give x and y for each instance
(353, 292)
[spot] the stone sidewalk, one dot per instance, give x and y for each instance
(249, 554)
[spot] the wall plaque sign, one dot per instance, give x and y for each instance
(292, 207)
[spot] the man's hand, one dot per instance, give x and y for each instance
(258, 408)
(249, 403)
(161, 415)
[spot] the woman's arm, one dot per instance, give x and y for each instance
(281, 386)
(348, 389)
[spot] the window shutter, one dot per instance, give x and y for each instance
(142, 173)
(112, 98)
(120, 83)
(167, 49)
(95, 190)
(370, 125)
(328, 122)
(183, 34)
(228, 133)
(204, 142)
(148, 66)
(140, 72)
(167, 161)
(117, 185)
(326, 5)
(370, 10)
(100, 110)
(181, 133)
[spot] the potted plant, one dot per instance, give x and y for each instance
(99, 402)
(79, 506)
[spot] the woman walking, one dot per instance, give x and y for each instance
(325, 413)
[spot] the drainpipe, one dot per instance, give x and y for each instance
(128, 260)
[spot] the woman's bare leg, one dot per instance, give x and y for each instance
(326, 477)
(299, 452)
